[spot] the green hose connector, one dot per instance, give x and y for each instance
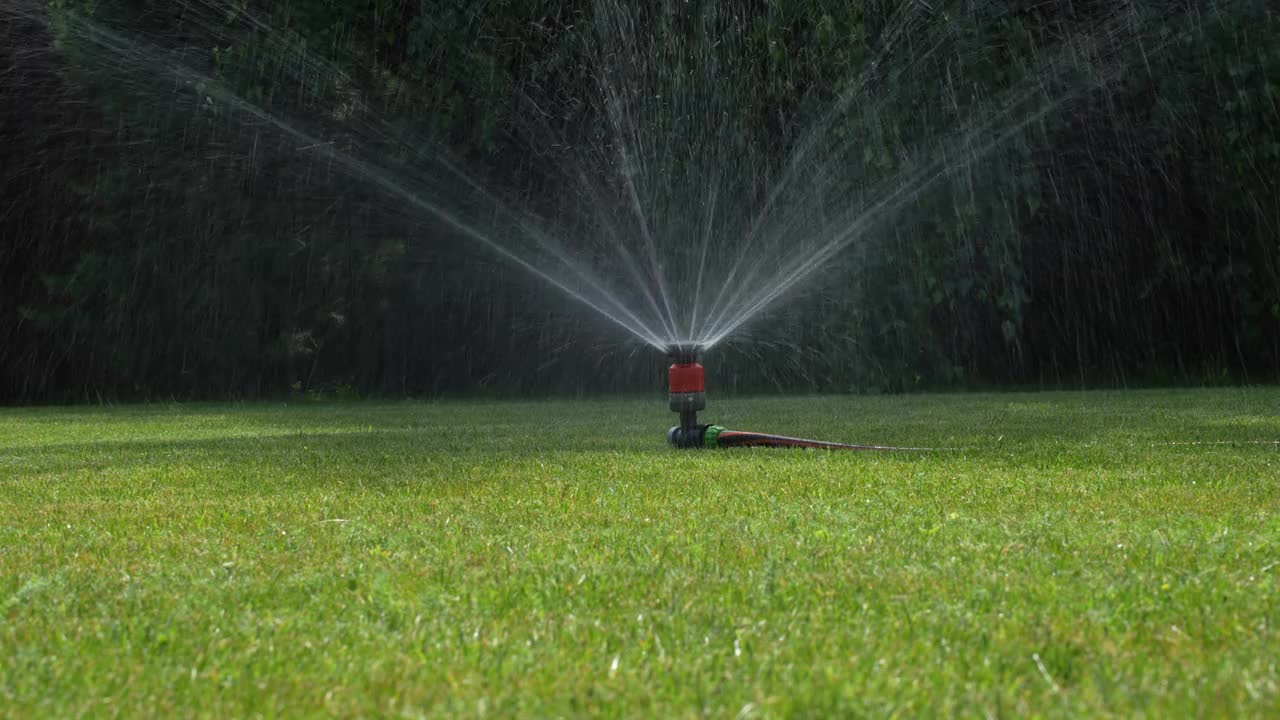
(712, 436)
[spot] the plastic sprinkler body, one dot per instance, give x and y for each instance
(686, 381)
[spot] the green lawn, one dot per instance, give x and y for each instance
(1070, 554)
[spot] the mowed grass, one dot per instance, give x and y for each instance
(1068, 554)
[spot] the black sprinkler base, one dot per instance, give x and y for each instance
(687, 437)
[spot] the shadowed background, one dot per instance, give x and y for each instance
(152, 249)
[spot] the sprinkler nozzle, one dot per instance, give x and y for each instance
(684, 353)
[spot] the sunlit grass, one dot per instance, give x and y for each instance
(1069, 555)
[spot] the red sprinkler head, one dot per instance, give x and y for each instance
(686, 378)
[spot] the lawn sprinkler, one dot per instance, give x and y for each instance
(686, 380)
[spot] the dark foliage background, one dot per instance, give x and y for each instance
(1132, 238)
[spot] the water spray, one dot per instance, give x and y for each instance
(686, 381)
